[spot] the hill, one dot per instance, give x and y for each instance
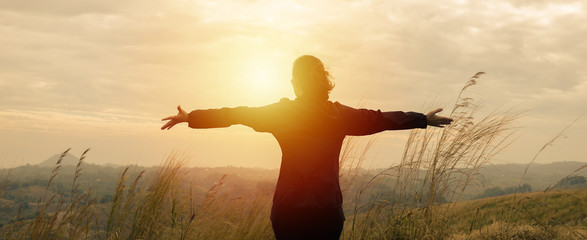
(68, 160)
(492, 180)
(538, 177)
(566, 207)
(242, 196)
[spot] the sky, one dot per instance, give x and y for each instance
(101, 74)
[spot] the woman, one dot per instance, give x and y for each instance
(310, 130)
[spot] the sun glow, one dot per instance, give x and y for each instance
(265, 79)
(261, 76)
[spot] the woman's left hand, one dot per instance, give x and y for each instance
(437, 121)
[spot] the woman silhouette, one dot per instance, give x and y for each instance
(310, 130)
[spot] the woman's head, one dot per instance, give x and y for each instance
(310, 79)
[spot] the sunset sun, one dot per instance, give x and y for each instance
(261, 77)
(293, 119)
(264, 79)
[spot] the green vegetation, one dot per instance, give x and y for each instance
(572, 182)
(539, 215)
(161, 203)
(498, 191)
(419, 198)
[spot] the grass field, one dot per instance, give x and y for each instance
(160, 205)
(418, 198)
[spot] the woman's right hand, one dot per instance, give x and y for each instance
(182, 116)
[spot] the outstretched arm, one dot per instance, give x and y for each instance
(182, 116)
(259, 118)
(360, 122)
(437, 121)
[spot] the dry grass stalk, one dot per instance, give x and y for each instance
(436, 167)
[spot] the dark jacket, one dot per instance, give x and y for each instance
(310, 135)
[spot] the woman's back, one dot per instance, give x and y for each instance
(310, 130)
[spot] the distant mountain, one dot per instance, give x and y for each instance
(539, 175)
(112, 165)
(68, 160)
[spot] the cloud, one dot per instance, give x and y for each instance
(92, 123)
(59, 7)
(141, 58)
(417, 35)
(104, 53)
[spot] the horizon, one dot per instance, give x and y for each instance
(101, 75)
(362, 168)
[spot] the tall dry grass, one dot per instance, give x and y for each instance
(532, 217)
(550, 215)
(436, 167)
(165, 209)
(57, 218)
(414, 199)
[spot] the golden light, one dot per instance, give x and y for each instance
(265, 79)
(261, 76)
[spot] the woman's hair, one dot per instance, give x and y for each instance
(310, 76)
